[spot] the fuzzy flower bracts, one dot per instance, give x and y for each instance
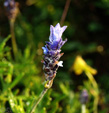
(52, 53)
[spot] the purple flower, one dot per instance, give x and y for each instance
(56, 33)
(52, 51)
(11, 8)
(84, 97)
(8, 3)
(55, 38)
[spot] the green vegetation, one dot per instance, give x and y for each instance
(21, 71)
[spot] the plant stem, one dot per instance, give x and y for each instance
(91, 78)
(83, 108)
(13, 40)
(65, 11)
(96, 91)
(39, 99)
(95, 104)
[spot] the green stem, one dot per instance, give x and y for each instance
(96, 91)
(39, 99)
(13, 40)
(91, 78)
(95, 104)
(83, 108)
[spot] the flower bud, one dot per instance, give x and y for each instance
(11, 9)
(84, 97)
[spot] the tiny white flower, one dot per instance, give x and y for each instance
(60, 63)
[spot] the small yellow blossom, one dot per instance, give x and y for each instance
(80, 65)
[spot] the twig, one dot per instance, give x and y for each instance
(39, 99)
(65, 12)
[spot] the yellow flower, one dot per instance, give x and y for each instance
(80, 65)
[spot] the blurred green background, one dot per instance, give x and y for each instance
(21, 78)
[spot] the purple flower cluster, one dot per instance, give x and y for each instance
(84, 97)
(52, 51)
(11, 8)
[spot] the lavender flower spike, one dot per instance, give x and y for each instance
(11, 9)
(52, 53)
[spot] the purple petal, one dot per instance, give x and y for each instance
(57, 26)
(62, 43)
(54, 46)
(6, 3)
(51, 33)
(45, 50)
(63, 28)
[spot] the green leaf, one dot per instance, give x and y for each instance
(16, 108)
(2, 45)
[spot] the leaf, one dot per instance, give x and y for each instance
(2, 45)
(16, 108)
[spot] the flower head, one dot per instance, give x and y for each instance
(55, 39)
(11, 8)
(84, 97)
(52, 51)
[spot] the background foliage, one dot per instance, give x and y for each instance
(21, 78)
